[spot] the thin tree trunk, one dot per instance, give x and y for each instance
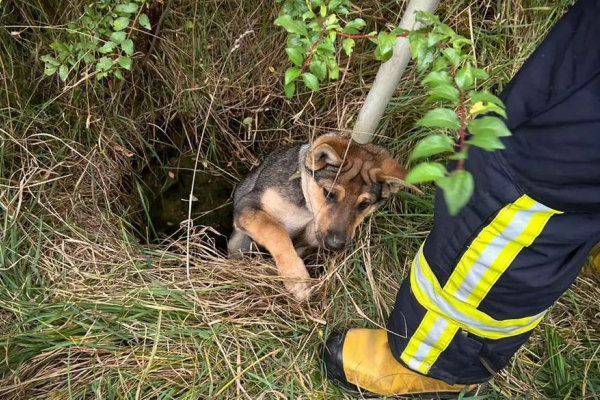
(388, 76)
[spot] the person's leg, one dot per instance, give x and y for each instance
(484, 279)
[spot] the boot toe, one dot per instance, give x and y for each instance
(333, 358)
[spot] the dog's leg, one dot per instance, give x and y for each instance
(268, 233)
(238, 243)
(303, 251)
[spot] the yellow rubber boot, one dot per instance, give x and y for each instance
(596, 257)
(361, 359)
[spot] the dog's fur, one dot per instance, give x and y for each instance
(304, 197)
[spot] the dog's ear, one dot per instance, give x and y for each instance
(391, 177)
(326, 150)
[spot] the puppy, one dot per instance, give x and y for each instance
(306, 197)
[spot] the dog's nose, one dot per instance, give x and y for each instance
(335, 241)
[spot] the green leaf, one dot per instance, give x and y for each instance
(488, 126)
(289, 90)
(440, 64)
(400, 31)
(49, 69)
(348, 45)
(478, 73)
(188, 24)
(119, 74)
(308, 14)
(440, 117)
(464, 77)
(117, 37)
(248, 121)
(425, 57)
(332, 66)
(458, 41)
(481, 108)
(431, 145)
(427, 18)
(323, 11)
(104, 64)
(485, 97)
(434, 38)
(386, 42)
(381, 56)
(357, 23)
(318, 68)
(310, 81)
(61, 48)
(120, 23)
(287, 23)
(325, 47)
(128, 8)
(63, 72)
(486, 141)
(291, 74)
(107, 47)
(445, 30)
(458, 189)
(444, 93)
(437, 78)
(144, 21)
(89, 58)
(127, 46)
(125, 62)
(49, 60)
(332, 19)
(334, 71)
(426, 172)
(416, 41)
(452, 56)
(295, 55)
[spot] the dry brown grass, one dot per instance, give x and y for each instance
(88, 312)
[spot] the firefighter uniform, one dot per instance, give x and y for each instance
(485, 278)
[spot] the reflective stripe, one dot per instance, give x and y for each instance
(515, 226)
(422, 349)
(430, 295)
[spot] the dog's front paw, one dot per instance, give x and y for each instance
(300, 290)
(297, 279)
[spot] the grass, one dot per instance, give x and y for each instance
(86, 311)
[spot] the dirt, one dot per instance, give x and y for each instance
(168, 190)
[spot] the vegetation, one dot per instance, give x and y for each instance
(92, 305)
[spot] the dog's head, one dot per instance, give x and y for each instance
(346, 182)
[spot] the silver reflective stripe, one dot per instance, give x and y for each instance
(491, 252)
(427, 288)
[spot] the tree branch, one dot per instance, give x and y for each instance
(312, 50)
(346, 35)
(462, 115)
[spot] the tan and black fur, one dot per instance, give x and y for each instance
(306, 197)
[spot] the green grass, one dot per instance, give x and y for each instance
(88, 312)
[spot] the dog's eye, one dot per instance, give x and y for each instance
(364, 205)
(329, 196)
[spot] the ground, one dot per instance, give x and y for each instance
(92, 305)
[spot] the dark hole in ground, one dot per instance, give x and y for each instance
(168, 190)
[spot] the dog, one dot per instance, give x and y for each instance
(306, 197)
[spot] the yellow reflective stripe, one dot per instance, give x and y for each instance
(463, 312)
(507, 256)
(515, 226)
(435, 351)
(485, 237)
(419, 354)
(417, 339)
